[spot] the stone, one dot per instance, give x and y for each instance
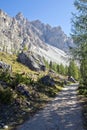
(5, 127)
(33, 61)
(71, 79)
(23, 89)
(18, 34)
(5, 66)
(47, 80)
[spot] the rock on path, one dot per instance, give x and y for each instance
(63, 113)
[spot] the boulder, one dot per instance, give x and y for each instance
(5, 127)
(32, 60)
(5, 66)
(47, 80)
(23, 89)
(71, 79)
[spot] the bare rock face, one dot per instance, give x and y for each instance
(23, 89)
(47, 80)
(5, 66)
(53, 36)
(33, 61)
(17, 33)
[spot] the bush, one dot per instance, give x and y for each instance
(6, 96)
(18, 78)
(5, 77)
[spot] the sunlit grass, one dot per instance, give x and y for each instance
(31, 80)
(12, 60)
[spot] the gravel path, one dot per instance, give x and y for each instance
(63, 113)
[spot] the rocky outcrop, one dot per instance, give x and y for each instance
(71, 79)
(18, 34)
(5, 66)
(53, 36)
(47, 80)
(33, 61)
(23, 89)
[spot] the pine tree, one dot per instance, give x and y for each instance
(61, 69)
(73, 70)
(79, 35)
(51, 64)
(66, 70)
(58, 68)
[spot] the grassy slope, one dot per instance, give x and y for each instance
(12, 60)
(37, 102)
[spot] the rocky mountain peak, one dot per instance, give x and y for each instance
(17, 33)
(19, 16)
(2, 13)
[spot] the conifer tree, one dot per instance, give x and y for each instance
(61, 69)
(79, 35)
(73, 70)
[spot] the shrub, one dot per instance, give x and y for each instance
(6, 96)
(18, 78)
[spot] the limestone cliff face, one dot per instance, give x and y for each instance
(17, 34)
(53, 35)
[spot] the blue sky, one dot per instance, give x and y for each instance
(53, 12)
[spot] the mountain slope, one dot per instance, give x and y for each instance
(17, 34)
(53, 35)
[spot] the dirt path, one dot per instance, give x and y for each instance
(63, 113)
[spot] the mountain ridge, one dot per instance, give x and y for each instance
(17, 33)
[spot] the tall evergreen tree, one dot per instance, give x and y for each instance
(61, 69)
(79, 35)
(73, 70)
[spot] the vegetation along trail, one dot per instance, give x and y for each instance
(63, 113)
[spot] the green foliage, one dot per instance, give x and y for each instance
(79, 24)
(6, 96)
(48, 90)
(66, 70)
(25, 48)
(14, 80)
(54, 66)
(46, 63)
(19, 78)
(5, 77)
(83, 88)
(61, 69)
(51, 65)
(73, 70)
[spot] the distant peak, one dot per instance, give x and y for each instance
(2, 12)
(19, 16)
(37, 22)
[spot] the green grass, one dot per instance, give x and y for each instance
(40, 94)
(12, 60)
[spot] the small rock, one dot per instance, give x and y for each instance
(32, 60)
(5, 66)
(47, 80)
(23, 89)
(5, 127)
(23, 113)
(1, 124)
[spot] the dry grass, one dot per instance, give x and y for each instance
(12, 60)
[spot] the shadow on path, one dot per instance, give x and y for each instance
(63, 113)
